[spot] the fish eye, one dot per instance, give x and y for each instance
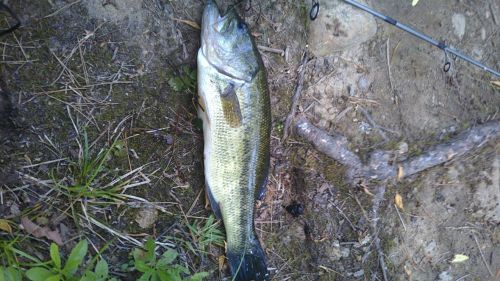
(241, 26)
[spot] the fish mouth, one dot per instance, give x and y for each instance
(213, 28)
(213, 23)
(219, 36)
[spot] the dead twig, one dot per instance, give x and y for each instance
(188, 22)
(400, 217)
(389, 70)
(62, 8)
(271, 50)
(295, 98)
(494, 9)
(482, 256)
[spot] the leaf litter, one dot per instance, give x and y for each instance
(38, 231)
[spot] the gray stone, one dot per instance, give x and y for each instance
(445, 276)
(458, 21)
(339, 26)
(146, 217)
(483, 33)
(363, 83)
(345, 252)
(359, 273)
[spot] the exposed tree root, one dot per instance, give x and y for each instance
(383, 165)
(379, 165)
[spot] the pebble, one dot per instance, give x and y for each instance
(363, 83)
(458, 21)
(345, 252)
(477, 53)
(334, 254)
(146, 217)
(483, 33)
(445, 276)
(403, 148)
(430, 248)
(359, 273)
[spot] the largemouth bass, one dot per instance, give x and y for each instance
(235, 108)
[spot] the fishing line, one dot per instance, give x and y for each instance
(13, 15)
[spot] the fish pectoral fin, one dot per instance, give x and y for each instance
(231, 106)
(213, 204)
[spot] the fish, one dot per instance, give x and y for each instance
(235, 109)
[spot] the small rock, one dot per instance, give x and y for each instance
(363, 84)
(477, 53)
(359, 273)
(483, 33)
(336, 244)
(146, 217)
(338, 27)
(351, 91)
(345, 252)
(14, 209)
(169, 139)
(365, 127)
(445, 276)
(402, 151)
(430, 248)
(458, 21)
(334, 254)
(402, 148)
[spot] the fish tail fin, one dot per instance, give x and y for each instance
(248, 264)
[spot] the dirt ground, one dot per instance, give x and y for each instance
(105, 70)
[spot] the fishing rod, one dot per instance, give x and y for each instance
(440, 44)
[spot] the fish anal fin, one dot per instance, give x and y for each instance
(213, 203)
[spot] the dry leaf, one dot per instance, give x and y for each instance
(5, 226)
(222, 260)
(414, 2)
(458, 258)
(399, 201)
(37, 231)
(188, 22)
(401, 173)
(496, 83)
(408, 272)
(366, 190)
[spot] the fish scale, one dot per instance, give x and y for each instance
(235, 159)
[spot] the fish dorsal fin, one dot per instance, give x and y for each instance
(231, 106)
